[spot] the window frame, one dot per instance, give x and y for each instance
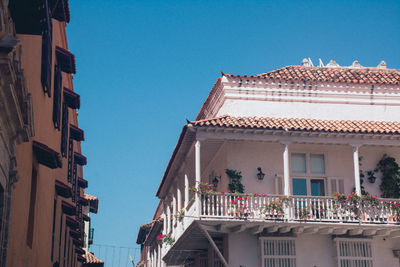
(365, 240)
(262, 258)
(308, 175)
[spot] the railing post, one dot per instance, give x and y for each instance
(198, 174)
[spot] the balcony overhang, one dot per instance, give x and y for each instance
(72, 99)
(76, 133)
(63, 189)
(46, 156)
(80, 159)
(82, 183)
(72, 223)
(297, 136)
(68, 209)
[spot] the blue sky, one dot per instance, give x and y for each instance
(143, 67)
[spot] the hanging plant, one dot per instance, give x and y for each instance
(390, 185)
(235, 185)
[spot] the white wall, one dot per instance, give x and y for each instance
(312, 250)
(244, 250)
(246, 156)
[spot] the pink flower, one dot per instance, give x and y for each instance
(244, 207)
(349, 197)
(239, 198)
(234, 202)
(345, 201)
(352, 192)
(337, 195)
(215, 184)
(160, 237)
(263, 194)
(229, 191)
(222, 193)
(256, 195)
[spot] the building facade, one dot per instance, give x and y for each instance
(42, 199)
(292, 167)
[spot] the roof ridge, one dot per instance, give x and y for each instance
(287, 118)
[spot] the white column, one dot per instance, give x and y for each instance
(168, 218)
(164, 216)
(186, 191)
(198, 175)
(356, 169)
(179, 198)
(174, 209)
(286, 171)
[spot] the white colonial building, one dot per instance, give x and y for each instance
(307, 142)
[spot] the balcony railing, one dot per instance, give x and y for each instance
(301, 208)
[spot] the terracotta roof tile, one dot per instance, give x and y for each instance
(90, 258)
(335, 75)
(301, 124)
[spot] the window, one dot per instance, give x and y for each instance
(308, 171)
(352, 252)
(54, 226)
(278, 252)
(32, 205)
(299, 163)
(317, 163)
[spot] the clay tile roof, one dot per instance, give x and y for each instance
(90, 258)
(309, 125)
(89, 197)
(334, 75)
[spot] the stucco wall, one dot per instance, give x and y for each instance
(311, 250)
(246, 156)
(280, 109)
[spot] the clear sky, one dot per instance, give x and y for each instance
(143, 67)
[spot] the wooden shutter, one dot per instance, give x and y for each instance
(278, 185)
(46, 48)
(336, 185)
(57, 97)
(64, 131)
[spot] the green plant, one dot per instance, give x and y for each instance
(235, 185)
(203, 188)
(390, 185)
(239, 205)
(180, 215)
(276, 207)
(166, 239)
(303, 213)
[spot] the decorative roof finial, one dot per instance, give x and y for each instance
(382, 65)
(356, 64)
(305, 63)
(332, 64)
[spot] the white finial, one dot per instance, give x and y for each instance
(382, 65)
(321, 64)
(310, 62)
(356, 64)
(332, 64)
(305, 63)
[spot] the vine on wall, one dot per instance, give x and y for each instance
(390, 185)
(235, 185)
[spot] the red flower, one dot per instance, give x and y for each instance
(160, 237)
